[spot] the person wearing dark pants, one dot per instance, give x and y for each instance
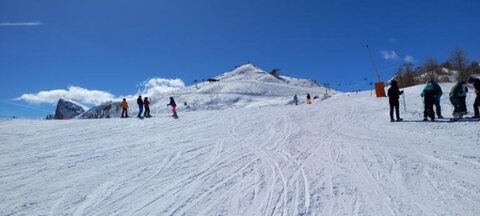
(438, 95)
(458, 95)
(429, 96)
(140, 106)
(124, 106)
(146, 103)
(393, 99)
(476, 84)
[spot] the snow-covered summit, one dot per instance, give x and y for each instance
(248, 72)
(246, 86)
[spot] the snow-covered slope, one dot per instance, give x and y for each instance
(339, 156)
(245, 87)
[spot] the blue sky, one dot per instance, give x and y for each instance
(113, 45)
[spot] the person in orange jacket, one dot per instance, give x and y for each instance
(124, 106)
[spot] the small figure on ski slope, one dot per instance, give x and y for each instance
(295, 99)
(140, 106)
(146, 103)
(393, 99)
(124, 106)
(438, 96)
(174, 107)
(429, 95)
(309, 99)
(458, 97)
(476, 84)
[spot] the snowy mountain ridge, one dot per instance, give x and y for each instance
(247, 86)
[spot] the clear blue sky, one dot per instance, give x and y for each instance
(113, 45)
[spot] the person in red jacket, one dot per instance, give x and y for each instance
(146, 103)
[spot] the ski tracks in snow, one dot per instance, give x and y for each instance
(283, 194)
(337, 157)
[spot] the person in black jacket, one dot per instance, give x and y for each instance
(438, 96)
(393, 99)
(458, 96)
(174, 107)
(140, 106)
(476, 83)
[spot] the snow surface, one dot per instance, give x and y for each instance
(339, 156)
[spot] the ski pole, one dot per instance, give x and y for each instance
(404, 104)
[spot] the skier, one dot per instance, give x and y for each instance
(174, 107)
(309, 99)
(393, 99)
(146, 103)
(476, 83)
(124, 106)
(429, 95)
(140, 106)
(438, 95)
(295, 98)
(458, 96)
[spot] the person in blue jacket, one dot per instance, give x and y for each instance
(140, 106)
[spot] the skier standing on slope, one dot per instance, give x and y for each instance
(295, 98)
(429, 95)
(309, 99)
(458, 96)
(476, 83)
(174, 107)
(140, 106)
(438, 95)
(146, 103)
(393, 99)
(124, 106)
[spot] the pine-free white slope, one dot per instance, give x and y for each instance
(340, 156)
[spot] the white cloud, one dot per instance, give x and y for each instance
(21, 24)
(154, 87)
(409, 58)
(74, 93)
(389, 55)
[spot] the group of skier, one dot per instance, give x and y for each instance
(145, 103)
(432, 93)
(309, 99)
